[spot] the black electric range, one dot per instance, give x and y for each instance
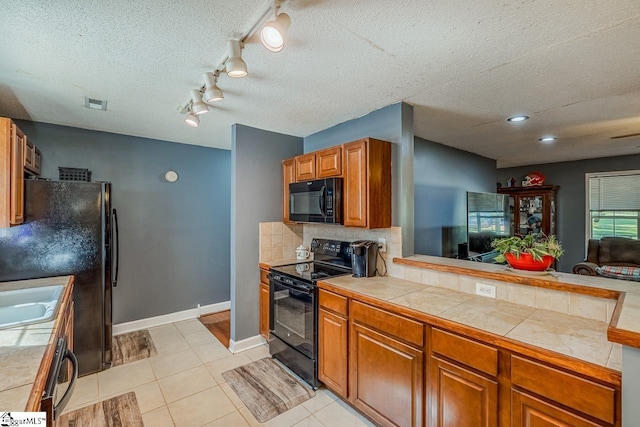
(293, 314)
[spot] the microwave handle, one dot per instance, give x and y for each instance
(322, 196)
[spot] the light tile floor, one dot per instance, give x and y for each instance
(183, 386)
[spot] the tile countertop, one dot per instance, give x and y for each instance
(573, 336)
(624, 327)
(22, 349)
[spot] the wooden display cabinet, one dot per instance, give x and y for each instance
(533, 209)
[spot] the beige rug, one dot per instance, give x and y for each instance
(132, 346)
(119, 411)
(266, 388)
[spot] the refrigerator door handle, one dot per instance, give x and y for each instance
(116, 258)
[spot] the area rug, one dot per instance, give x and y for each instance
(119, 411)
(266, 388)
(132, 346)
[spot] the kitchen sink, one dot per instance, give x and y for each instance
(30, 305)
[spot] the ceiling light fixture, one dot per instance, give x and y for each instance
(273, 38)
(198, 107)
(236, 67)
(273, 32)
(212, 92)
(547, 139)
(192, 120)
(518, 118)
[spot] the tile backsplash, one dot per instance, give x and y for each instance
(279, 241)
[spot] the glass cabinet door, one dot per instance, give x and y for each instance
(531, 214)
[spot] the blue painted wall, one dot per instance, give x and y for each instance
(443, 175)
(174, 237)
(257, 192)
(571, 209)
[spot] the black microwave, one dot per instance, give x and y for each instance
(319, 200)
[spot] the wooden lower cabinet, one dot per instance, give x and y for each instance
(528, 411)
(333, 331)
(461, 398)
(264, 303)
(385, 378)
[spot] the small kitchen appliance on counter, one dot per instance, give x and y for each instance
(363, 258)
(293, 300)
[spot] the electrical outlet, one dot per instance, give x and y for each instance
(382, 244)
(488, 291)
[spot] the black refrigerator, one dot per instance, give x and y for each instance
(70, 227)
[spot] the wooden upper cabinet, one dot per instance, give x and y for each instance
(305, 167)
(32, 157)
(367, 184)
(288, 176)
(11, 174)
(329, 162)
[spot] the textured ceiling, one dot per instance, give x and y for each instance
(572, 65)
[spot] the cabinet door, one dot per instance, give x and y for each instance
(461, 398)
(527, 411)
(305, 167)
(332, 351)
(355, 191)
(264, 310)
(386, 378)
(329, 162)
(37, 161)
(288, 176)
(29, 152)
(17, 176)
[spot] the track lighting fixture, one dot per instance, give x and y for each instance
(198, 107)
(272, 36)
(192, 120)
(273, 32)
(236, 67)
(212, 92)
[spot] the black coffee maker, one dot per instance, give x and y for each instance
(363, 258)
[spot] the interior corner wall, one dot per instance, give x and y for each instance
(174, 237)
(443, 175)
(393, 123)
(571, 203)
(256, 196)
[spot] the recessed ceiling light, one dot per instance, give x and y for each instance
(518, 118)
(547, 139)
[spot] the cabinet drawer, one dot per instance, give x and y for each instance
(263, 276)
(333, 302)
(466, 351)
(397, 326)
(578, 393)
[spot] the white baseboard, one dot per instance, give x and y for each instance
(178, 316)
(246, 344)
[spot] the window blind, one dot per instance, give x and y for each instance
(614, 193)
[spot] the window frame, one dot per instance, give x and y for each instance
(587, 198)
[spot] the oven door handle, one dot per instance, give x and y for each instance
(57, 409)
(295, 287)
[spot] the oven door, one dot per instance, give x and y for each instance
(293, 316)
(61, 380)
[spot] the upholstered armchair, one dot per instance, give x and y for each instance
(614, 257)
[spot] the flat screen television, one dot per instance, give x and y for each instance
(488, 218)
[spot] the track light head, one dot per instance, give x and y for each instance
(198, 107)
(192, 120)
(273, 32)
(236, 67)
(212, 92)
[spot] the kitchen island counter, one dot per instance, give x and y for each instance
(24, 349)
